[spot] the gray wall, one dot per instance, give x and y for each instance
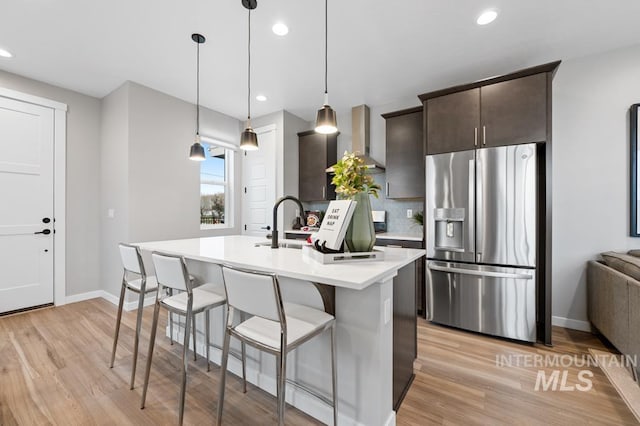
(114, 187)
(591, 100)
(148, 178)
(83, 179)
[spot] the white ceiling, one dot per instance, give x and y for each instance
(379, 50)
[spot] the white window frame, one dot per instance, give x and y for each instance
(227, 183)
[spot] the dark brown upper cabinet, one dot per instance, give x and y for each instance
(316, 153)
(514, 111)
(506, 110)
(453, 122)
(404, 154)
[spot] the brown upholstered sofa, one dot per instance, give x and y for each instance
(613, 300)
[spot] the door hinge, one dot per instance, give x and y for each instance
(245, 227)
(245, 189)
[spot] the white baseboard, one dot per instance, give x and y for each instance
(83, 296)
(128, 306)
(571, 323)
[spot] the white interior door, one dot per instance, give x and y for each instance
(26, 194)
(259, 184)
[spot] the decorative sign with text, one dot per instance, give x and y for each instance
(335, 223)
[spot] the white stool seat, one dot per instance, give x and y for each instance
(152, 284)
(201, 299)
(302, 321)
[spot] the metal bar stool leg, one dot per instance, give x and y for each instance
(193, 320)
(244, 368)
(171, 320)
(334, 374)
(207, 331)
(152, 341)
(137, 338)
(118, 319)
(185, 348)
(223, 373)
(282, 382)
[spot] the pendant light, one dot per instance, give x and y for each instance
(249, 139)
(197, 150)
(326, 122)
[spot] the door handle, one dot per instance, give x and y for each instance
(475, 136)
(484, 135)
(453, 270)
(44, 231)
(268, 228)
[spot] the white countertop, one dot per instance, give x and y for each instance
(240, 251)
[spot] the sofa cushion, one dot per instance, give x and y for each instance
(627, 264)
(635, 253)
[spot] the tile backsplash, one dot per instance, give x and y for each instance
(397, 221)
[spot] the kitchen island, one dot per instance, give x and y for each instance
(359, 294)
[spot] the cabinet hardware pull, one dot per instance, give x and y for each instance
(387, 189)
(475, 136)
(484, 135)
(324, 193)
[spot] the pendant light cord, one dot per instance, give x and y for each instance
(198, 88)
(326, 44)
(249, 74)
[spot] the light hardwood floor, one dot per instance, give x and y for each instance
(54, 370)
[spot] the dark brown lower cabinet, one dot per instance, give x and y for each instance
(405, 343)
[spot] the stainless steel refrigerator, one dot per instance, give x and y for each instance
(481, 240)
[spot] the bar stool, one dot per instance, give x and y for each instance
(171, 273)
(133, 267)
(275, 327)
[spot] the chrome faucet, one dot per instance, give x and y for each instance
(274, 234)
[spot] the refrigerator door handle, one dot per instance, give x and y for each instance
(454, 270)
(471, 218)
(479, 203)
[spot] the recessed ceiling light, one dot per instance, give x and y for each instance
(280, 29)
(261, 98)
(487, 17)
(5, 53)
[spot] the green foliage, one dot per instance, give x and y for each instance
(418, 217)
(350, 177)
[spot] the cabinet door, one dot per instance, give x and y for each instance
(453, 122)
(405, 156)
(316, 153)
(514, 111)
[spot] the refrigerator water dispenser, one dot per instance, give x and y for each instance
(449, 229)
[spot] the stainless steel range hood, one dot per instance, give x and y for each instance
(360, 138)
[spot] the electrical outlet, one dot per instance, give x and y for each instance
(409, 213)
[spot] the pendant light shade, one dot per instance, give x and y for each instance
(248, 138)
(196, 152)
(326, 122)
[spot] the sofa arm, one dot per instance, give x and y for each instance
(608, 303)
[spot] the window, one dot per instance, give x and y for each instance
(215, 187)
